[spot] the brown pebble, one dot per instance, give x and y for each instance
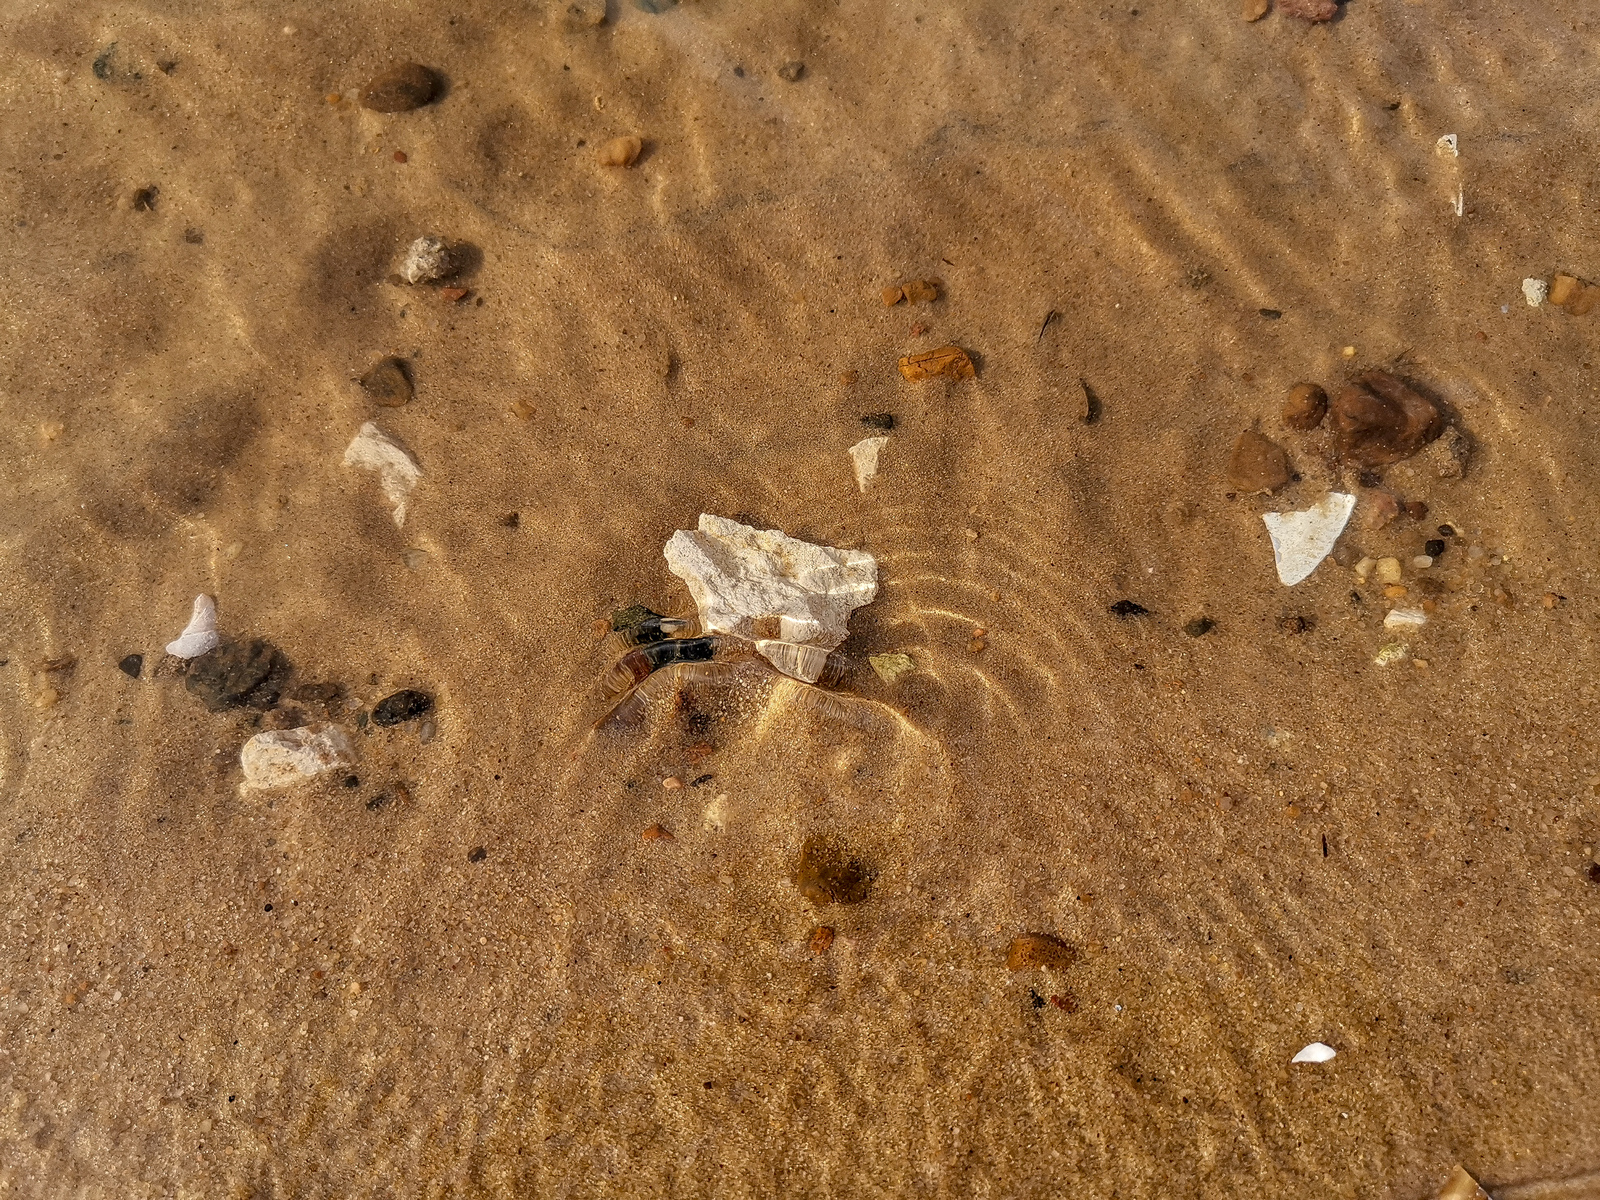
(658, 833)
(400, 89)
(1562, 289)
(892, 296)
(1381, 419)
(1258, 464)
(387, 383)
(521, 408)
(1306, 406)
(821, 939)
(400, 156)
(455, 295)
(829, 874)
(1039, 950)
(1583, 303)
(333, 97)
(1254, 10)
(952, 361)
(849, 377)
(1309, 10)
(621, 152)
(920, 291)
(672, 783)
(1550, 600)
(977, 645)
(790, 72)
(1395, 591)
(1416, 509)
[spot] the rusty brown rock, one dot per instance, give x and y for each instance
(827, 873)
(952, 361)
(1039, 950)
(821, 939)
(1381, 419)
(1305, 407)
(1309, 10)
(1257, 464)
(400, 89)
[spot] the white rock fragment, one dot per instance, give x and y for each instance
(397, 472)
(864, 457)
(740, 576)
(1405, 618)
(428, 261)
(200, 634)
(1388, 655)
(1364, 567)
(1534, 291)
(280, 757)
(1301, 540)
(1449, 146)
(1422, 561)
(1316, 1052)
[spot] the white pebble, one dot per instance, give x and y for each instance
(200, 634)
(397, 471)
(1448, 146)
(1405, 618)
(864, 457)
(1422, 562)
(427, 261)
(1364, 567)
(1534, 291)
(1316, 1052)
(279, 757)
(1301, 540)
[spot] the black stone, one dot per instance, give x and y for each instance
(883, 421)
(706, 778)
(404, 705)
(1594, 872)
(1271, 314)
(352, 781)
(1433, 547)
(1128, 608)
(132, 665)
(238, 675)
(477, 854)
(1199, 627)
(1447, 531)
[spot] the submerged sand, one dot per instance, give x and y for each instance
(1254, 839)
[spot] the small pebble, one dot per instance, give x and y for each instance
(1364, 568)
(428, 260)
(388, 384)
(1416, 509)
(1395, 591)
(454, 295)
(1305, 407)
(1031, 950)
(132, 665)
(1389, 570)
(1535, 292)
(1271, 314)
(672, 783)
(1257, 463)
(977, 645)
(1550, 600)
(399, 707)
(400, 89)
(791, 71)
(890, 667)
(849, 377)
(821, 939)
(882, 420)
(892, 296)
(1128, 609)
(951, 361)
(1562, 289)
(1405, 618)
(400, 156)
(620, 152)
(658, 833)
(238, 675)
(1422, 562)
(1254, 10)
(1199, 627)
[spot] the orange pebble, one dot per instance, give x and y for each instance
(672, 783)
(658, 833)
(400, 156)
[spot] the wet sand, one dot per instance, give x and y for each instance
(1254, 839)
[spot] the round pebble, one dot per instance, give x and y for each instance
(1305, 407)
(621, 152)
(387, 383)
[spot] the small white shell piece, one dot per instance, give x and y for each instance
(1301, 540)
(1535, 291)
(1448, 146)
(801, 662)
(1405, 618)
(1316, 1052)
(864, 457)
(200, 634)
(397, 471)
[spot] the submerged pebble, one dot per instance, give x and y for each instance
(238, 675)
(400, 89)
(1305, 407)
(1044, 950)
(132, 665)
(828, 873)
(387, 383)
(1257, 464)
(951, 361)
(791, 71)
(428, 260)
(280, 757)
(1381, 419)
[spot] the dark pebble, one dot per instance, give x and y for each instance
(144, 200)
(511, 520)
(238, 674)
(1382, 419)
(1039, 950)
(792, 71)
(477, 854)
(377, 801)
(703, 779)
(388, 383)
(1433, 547)
(132, 665)
(1447, 531)
(829, 874)
(1199, 627)
(1127, 609)
(102, 63)
(1417, 510)
(352, 781)
(404, 705)
(1271, 314)
(1594, 872)
(883, 421)
(400, 89)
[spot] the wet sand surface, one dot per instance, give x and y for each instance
(470, 973)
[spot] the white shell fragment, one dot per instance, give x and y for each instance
(1448, 146)
(428, 261)
(1301, 540)
(1405, 618)
(794, 659)
(1317, 1052)
(1535, 291)
(280, 757)
(200, 634)
(739, 575)
(397, 472)
(864, 457)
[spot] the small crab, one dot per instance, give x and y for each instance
(661, 655)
